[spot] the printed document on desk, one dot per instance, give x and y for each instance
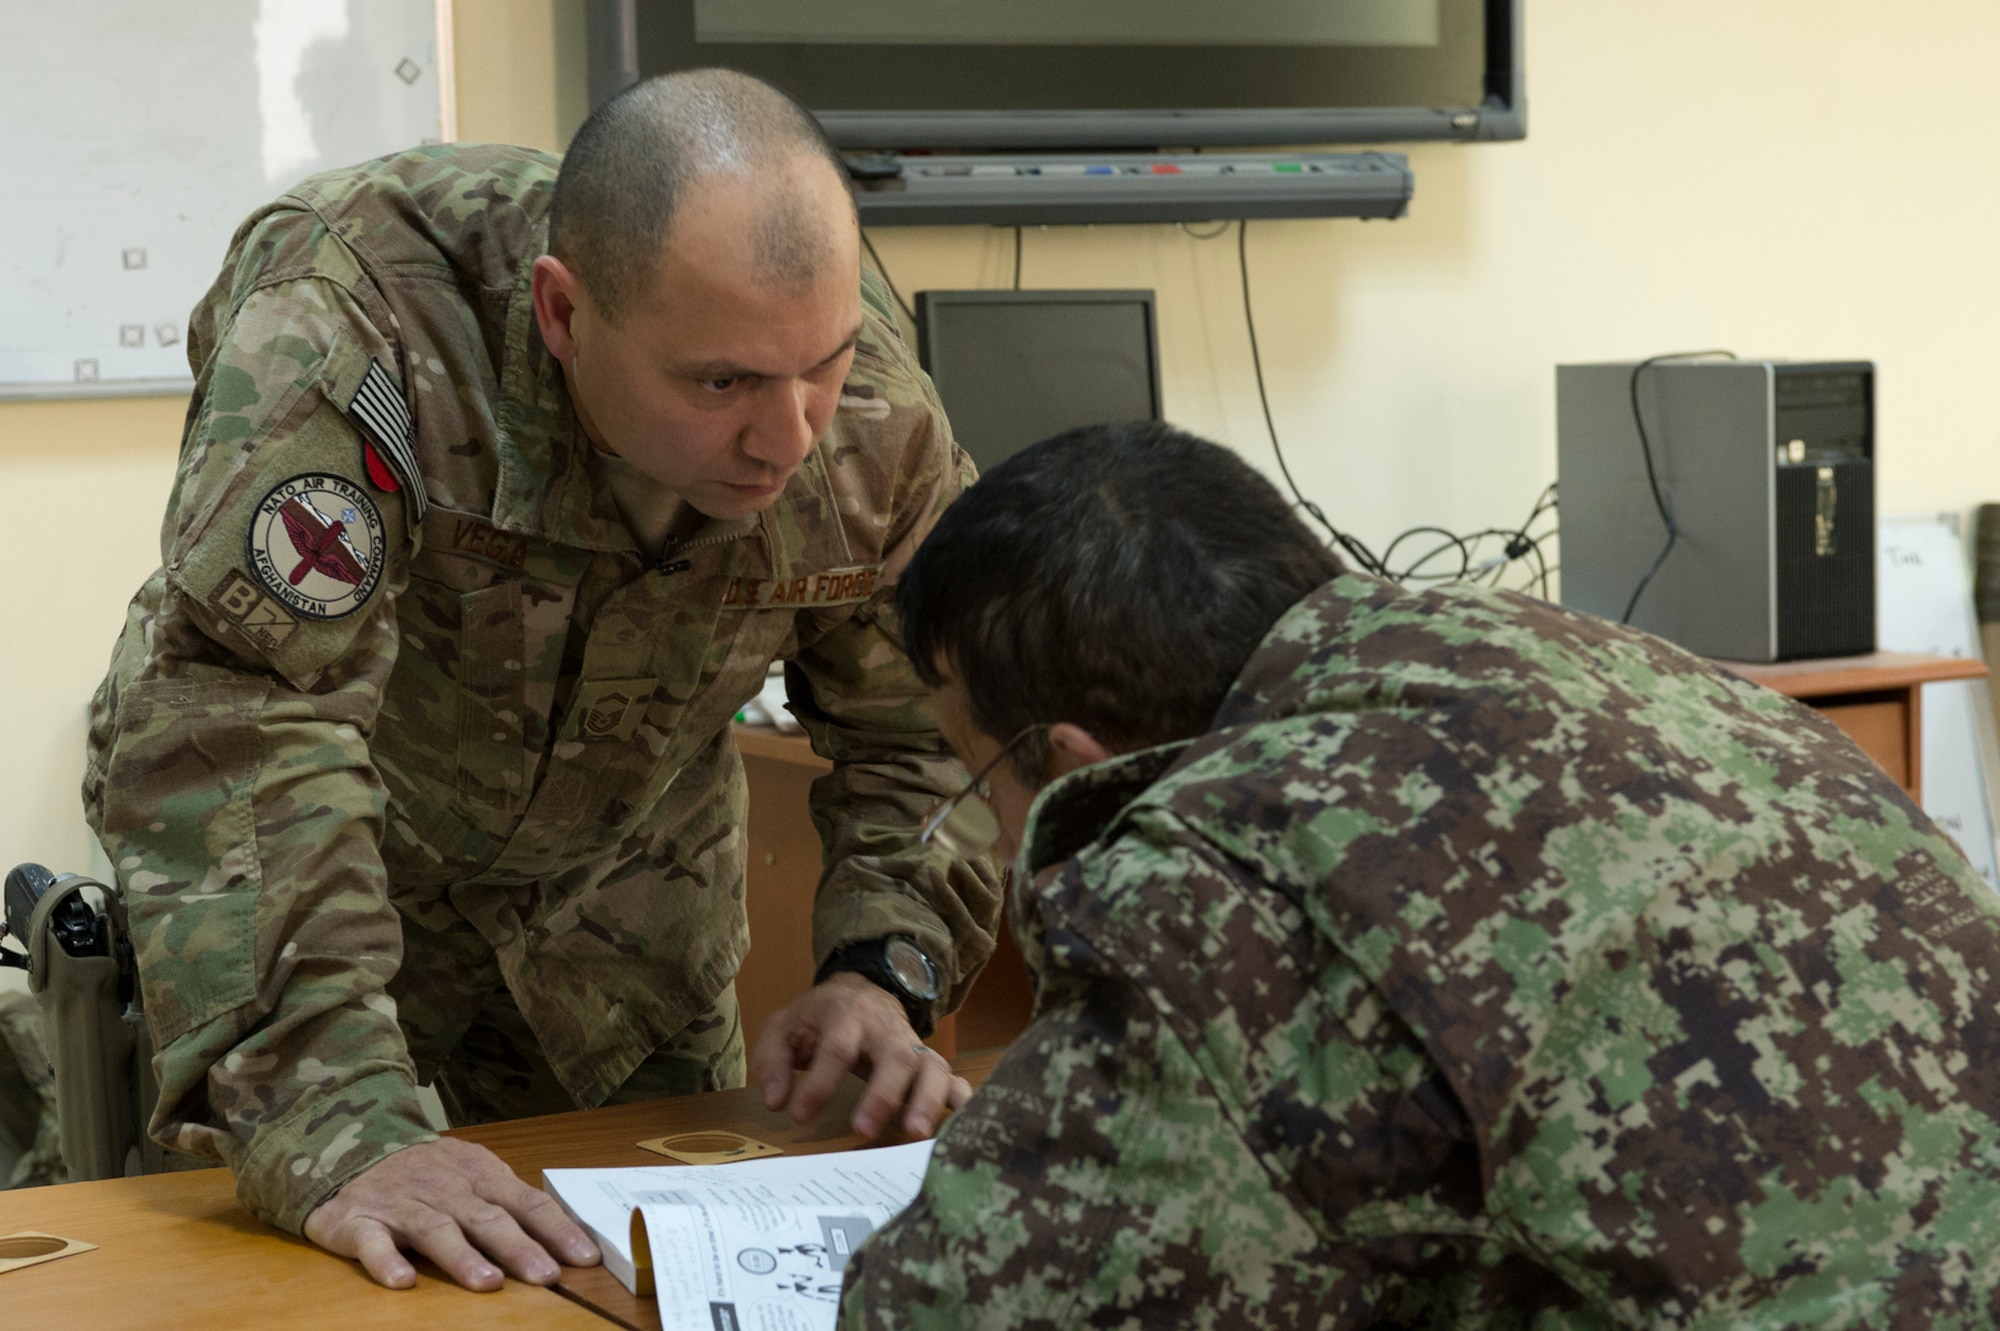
(758, 1244)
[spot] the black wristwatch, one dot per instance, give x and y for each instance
(897, 964)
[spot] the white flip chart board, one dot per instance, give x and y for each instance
(1924, 604)
(140, 134)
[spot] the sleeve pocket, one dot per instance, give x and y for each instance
(179, 828)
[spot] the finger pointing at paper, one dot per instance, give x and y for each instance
(848, 1024)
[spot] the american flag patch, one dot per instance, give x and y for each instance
(379, 407)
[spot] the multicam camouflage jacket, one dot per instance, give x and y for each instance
(1485, 965)
(405, 666)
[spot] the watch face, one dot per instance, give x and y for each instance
(913, 969)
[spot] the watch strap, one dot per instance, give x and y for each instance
(868, 958)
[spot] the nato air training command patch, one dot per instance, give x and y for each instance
(316, 545)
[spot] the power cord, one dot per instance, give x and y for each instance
(1652, 476)
(1360, 553)
(889, 281)
(1517, 543)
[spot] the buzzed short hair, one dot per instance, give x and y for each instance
(629, 169)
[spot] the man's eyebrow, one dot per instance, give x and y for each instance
(853, 338)
(730, 370)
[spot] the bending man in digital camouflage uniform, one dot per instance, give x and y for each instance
(500, 491)
(1423, 959)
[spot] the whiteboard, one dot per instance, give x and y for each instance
(140, 134)
(1924, 599)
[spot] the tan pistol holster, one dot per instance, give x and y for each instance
(83, 975)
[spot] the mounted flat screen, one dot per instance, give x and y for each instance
(1014, 367)
(1069, 74)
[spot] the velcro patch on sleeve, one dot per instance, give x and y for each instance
(378, 407)
(261, 617)
(836, 586)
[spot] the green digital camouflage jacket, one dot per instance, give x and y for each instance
(405, 666)
(1486, 965)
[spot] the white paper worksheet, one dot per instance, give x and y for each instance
(759, 1245)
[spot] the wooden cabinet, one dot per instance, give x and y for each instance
(784, 871)
(1877, 699)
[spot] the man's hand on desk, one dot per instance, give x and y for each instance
(848, 1024)
(457, 1204)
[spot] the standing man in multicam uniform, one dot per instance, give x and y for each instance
(501, 490)
(1423, 959)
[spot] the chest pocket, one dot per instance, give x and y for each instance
(746, 642)
(771, 617)
(492, 741)
(698, 665)
(452, 718)
(484, 622)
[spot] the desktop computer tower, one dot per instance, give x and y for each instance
(1768, 469)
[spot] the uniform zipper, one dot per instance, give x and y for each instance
(669, 555)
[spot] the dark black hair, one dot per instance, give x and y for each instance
(627, 170)
(1117, 577)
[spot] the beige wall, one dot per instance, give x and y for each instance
(1794, 178)
(85, 482)
(521, 71)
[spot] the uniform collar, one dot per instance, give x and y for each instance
(1074, 810)
(546, 486)
(1307, 661)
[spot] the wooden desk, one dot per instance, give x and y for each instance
(175, 1251)
(608, 1139)
(1877, 699)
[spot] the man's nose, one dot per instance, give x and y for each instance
(783, 431)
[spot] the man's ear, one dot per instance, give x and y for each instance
(1071, 747)
(558, 293)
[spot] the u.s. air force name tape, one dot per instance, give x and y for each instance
(836, 586)
(379, 408)
(316, 545)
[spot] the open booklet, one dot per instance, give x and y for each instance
(759, 1244)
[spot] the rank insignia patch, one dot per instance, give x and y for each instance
(610, 709)
(316, 545)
